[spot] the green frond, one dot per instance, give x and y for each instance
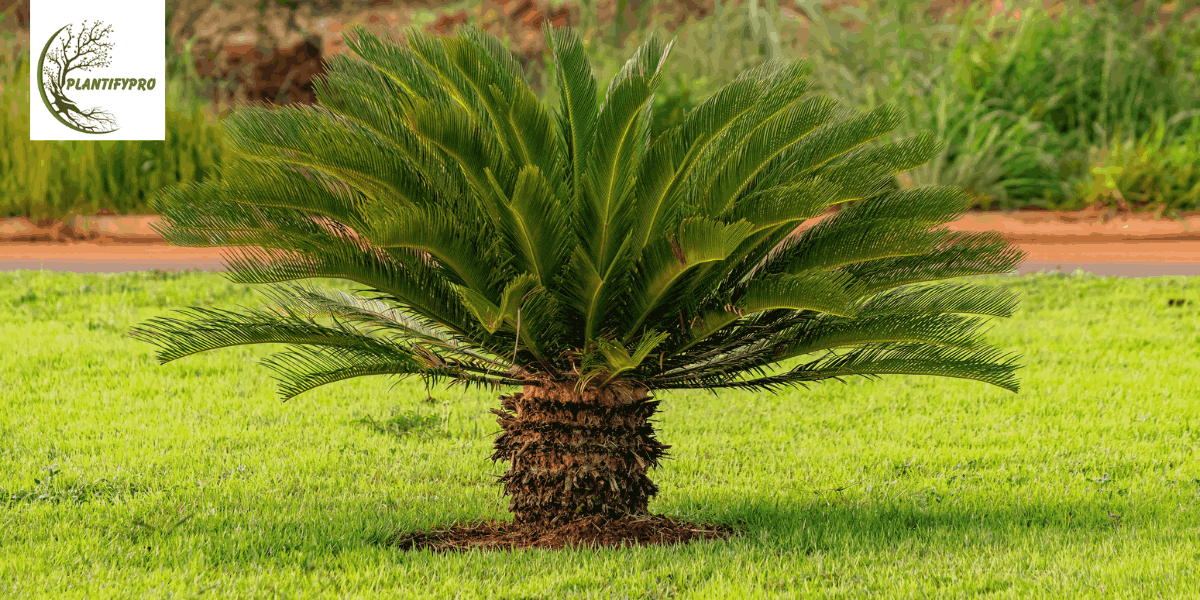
(987, 365)
(665, 263)
(209, 329)
(304, 368)
(360, 92)
(890, 225)
(301, 370)
(778, 89)
(315, 137)
(266, 183)
(826, 332)
(399, 63)
(747, 147)
(539, 226)
(469, 144)
(521, 120)
(775, 135)
(618, 360)
(960, 254)
(198, 214)
(622, 134)
(785, 205)
(494, 317)
(578, 102)
(310, 302)
(961, 298)
(832, 293)
(403, 275)
(431, 51)
(456, 245)
(596, 295)
(670, 161)
(866, 171)
(502, 243)
(497, 51)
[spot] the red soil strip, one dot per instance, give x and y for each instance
(592, 532)
(1133, 251)
(1115, 252)
(1028, 226)
(113, 251)
(1080, 236)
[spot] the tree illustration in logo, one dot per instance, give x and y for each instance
(82, 52)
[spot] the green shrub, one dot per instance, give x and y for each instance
(986, 148)
(1146, 173)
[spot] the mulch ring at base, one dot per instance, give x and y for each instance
(589, 532)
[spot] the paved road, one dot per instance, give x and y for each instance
(1120, 269)
(1125, 260)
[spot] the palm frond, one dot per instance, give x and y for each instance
(622, 134)
(208, 329)
(987, 365)
(962, 298)
(960, 254)
(502, 243)
(888, 225)
(403, 275)
(578, 102)
(664, 267)
(315, 137)
(455, 245)
(312, 302)
(671, 158)
(304, 368)
(522, 122)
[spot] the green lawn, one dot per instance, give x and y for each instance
(120, 478)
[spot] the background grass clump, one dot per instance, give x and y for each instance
(123, 478)
(1041, 105)
(1044, 104)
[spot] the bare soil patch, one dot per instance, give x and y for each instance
(589, 533)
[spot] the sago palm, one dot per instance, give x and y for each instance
(566, 253)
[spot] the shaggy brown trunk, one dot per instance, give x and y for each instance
(577, 455)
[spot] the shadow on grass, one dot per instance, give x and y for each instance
(828, 523)
(282, 532)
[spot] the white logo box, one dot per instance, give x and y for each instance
(117, 47)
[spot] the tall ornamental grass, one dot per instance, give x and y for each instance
(1030, 101)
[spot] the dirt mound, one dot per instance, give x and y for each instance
(105, 228)
(592, 532)
(21, 229)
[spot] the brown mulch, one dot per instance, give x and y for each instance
(591, 532)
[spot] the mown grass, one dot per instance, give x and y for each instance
(122, 478)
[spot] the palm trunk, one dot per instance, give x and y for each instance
(577, 454)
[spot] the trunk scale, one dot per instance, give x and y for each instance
(577, 454)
